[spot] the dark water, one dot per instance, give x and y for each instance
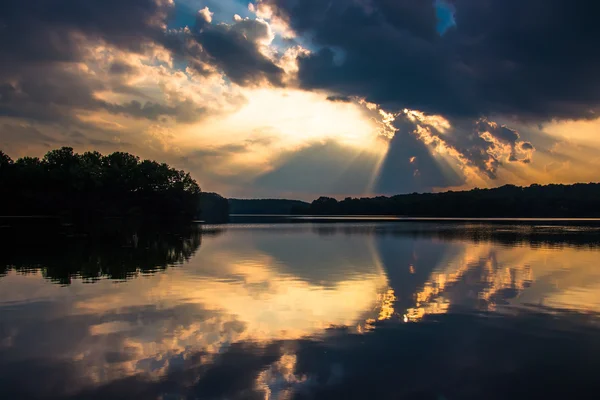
(369, 310)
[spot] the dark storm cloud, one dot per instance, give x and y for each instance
(46, 31)
(42, 41)
(530, 59)
(233, 48)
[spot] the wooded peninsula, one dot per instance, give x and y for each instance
(86, 187)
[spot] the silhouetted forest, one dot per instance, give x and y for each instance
(84, 187)
(579, 200)
(214, 208)
(266, 206)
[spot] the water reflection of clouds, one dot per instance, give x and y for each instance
(230, 292)
(485, 276)
(258, 292)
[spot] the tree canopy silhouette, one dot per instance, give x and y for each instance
(214, 208)
(578, 200)
(91, 185)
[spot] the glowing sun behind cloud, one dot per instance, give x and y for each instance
(276, 122)
(293, 118)
(231, 91)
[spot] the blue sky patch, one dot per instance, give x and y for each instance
(445, 16)
(224, 10)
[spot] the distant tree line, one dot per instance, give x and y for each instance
(579, 200)
(80, 187)
(265, 206)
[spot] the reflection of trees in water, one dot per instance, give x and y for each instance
(555, 235)
(121, 254)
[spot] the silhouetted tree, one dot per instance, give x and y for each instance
(5, 160)
(90, 185)
(326, 205)
(214, 208)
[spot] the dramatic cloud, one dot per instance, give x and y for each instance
(478, 147)
(42, 31)
(531, 59)
(236, 49)
(501, 139)
(54, 50)
(67, 55)
(361, 96)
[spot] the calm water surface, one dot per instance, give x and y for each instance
(369, 310)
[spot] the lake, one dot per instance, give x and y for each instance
(308, 309)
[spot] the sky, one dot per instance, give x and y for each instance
(303, 98)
